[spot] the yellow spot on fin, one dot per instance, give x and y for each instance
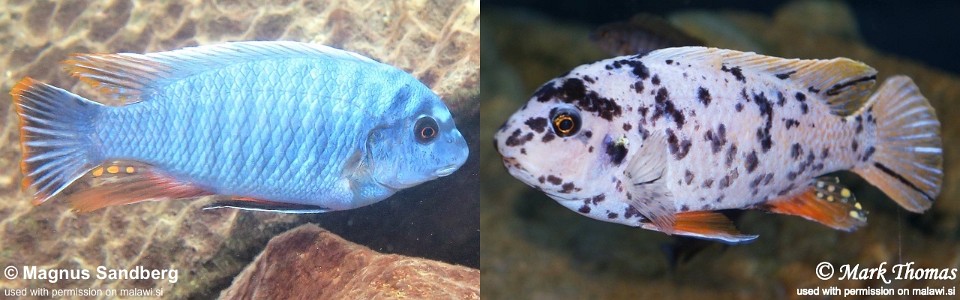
(817, 203)
(845, 84)
(147, 184)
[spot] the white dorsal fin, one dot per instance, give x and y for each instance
(844, 83)
(125, 76)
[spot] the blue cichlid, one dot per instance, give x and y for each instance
(277, 126)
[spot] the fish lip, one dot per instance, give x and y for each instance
(447, 170)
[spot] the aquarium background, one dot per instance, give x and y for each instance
(533, 248)
(435, 40)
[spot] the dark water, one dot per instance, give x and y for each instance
(926, 31)
(534, 248)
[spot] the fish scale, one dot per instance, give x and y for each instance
(278, 126)
(662, 140)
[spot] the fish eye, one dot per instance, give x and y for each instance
(425, 129)
(566, 122)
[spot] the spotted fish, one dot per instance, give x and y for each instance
(276, 126)
(665, 139)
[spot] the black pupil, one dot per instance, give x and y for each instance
(427, 132)
(565, 122)
(426, 129)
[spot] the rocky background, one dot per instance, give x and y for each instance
(533, 248)
(435, 40)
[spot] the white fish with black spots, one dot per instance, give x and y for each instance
(664, 140)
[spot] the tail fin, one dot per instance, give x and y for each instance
(55, 137)
(908, 164)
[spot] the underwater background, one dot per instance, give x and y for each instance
(435, 40)
(534, 248)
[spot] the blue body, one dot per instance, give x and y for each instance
(277, 121)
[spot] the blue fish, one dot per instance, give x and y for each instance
(275, 126)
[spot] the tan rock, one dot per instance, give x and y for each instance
(308, 262)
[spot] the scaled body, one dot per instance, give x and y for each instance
(269, 125)
(660, 140)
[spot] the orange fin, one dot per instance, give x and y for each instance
(826, 202)
(253, 204)
(706, 225)
(126, 182)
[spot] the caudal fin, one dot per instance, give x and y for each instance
(908, 163)
(55, 137)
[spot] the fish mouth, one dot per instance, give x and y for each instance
(447, 170)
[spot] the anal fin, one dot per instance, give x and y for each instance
(706, 225)
(125, 182)
(264, 205)
(826, 202)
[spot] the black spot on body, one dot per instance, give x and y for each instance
(855, 145)
(708, 183)
(617, 152)
(739, 107)
(868, 153)
(785, 75)
(644, 133)
(554, 180)
(795, 150)
(704, 96)
(781, 99)
(638, 86)
(549, 136)
(584, 209)
(751, 163)
(537, 124)
(688, 177)
(669, 61)
(725, 182)
(588, 134)
(766, 110)
(824, 153)
(684, 208)
(859, 120)
(516, 140)
(813, 90)
(665, 106)
(791, 175)
(736, 71)
(631, 212)
(731, 154)
(791, 123)
(587, 79)
(655, 80)
(568, 187)
(627, 126)
(612, 215)
(573, 91)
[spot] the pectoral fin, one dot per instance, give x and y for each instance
(706, 225)
(645, 188)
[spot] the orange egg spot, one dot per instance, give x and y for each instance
(129, 170)
(97, 172)
(113, 169)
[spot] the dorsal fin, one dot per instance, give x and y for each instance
(125, 76)
(844, 83)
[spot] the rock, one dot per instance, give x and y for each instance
(308, 262)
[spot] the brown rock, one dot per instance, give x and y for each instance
(309, 262)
